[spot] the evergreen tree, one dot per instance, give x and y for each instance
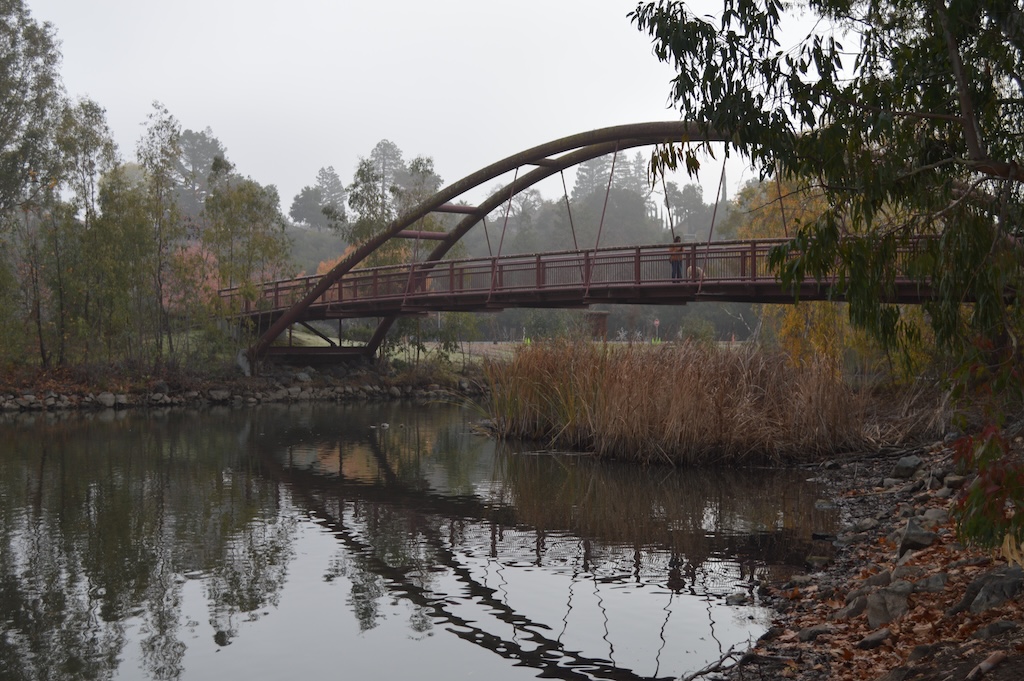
(322, 205)
(333, 197)
(192, 170)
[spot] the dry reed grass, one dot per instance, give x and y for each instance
(681, 404)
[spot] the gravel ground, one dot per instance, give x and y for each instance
(902, 599)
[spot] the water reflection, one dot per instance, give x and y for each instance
(114, 531)
(101, 522)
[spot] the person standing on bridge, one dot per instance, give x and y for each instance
(675, 258)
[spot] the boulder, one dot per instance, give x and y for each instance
(995, 629)
(989, 590)
(888, 604)
(853, 609)
(1004, 585)
(915, 537)
(932, 583)
(883, 578)
(865, 524)
(935, 516)
(811, 633)
(906, 466)
(954, 481)
(874, 639)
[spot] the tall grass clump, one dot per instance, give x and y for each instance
(681, 404)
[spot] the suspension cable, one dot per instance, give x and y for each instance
(607, 191)
(487, 236)
(600, 226)
(568, 209)
(410, 285)
(668, 208)
(504, 227)
(711, 230)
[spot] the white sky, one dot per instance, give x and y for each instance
(290, 87)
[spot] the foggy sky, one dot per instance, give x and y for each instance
(290, 87)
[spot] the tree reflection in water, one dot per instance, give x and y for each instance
(546, 562)
(100, 520)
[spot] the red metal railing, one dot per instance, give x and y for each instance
(607, 268)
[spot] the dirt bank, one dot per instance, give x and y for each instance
(902, 599)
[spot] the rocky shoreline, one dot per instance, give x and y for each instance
(901, 599)
(282, 384)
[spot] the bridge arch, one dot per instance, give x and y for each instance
(548, 159)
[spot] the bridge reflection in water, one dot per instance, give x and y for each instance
(576, 568)
(310, 541)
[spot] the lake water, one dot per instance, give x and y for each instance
(375, 541)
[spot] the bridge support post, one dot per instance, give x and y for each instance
(378, 336)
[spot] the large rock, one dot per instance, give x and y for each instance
(874, 639)
(811, 633)
(108, 400)
(865, 524)
(853, 609)
(990, 590)
(915, 537)
(883, 578)
(1004, 585)
(906, 466)
(954, 481)
(935, 583)
(995, 629)
(933, 517)
(888, 604)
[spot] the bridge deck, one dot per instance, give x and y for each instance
(734, 271)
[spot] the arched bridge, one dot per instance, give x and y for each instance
(723, 271)
(729, 271)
